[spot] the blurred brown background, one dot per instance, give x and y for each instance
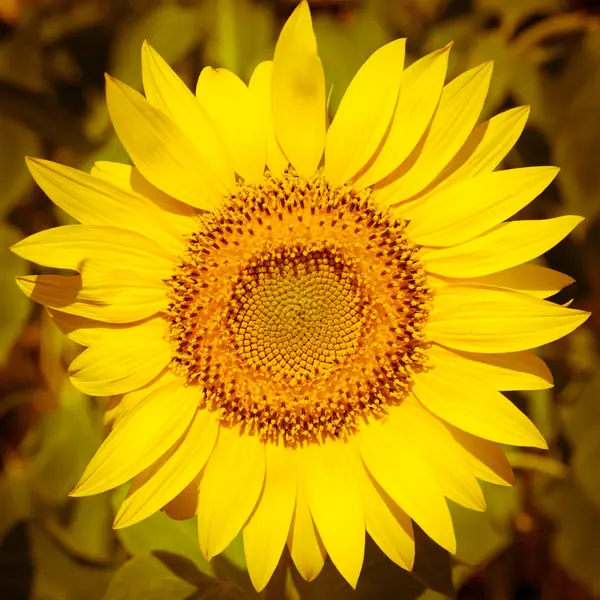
(539, 541)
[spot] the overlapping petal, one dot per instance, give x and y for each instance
(139, 439)
(95, 200)
(385, 456)
(330, 475)
(488, 320)
(306, 548)
(473, 405)
(268, 528)
(531, 279)
(463, 211)
(96, 249)
(504, 372)
(507, 245)
(169, 95)
(260, 94)
(235, 112)
(420, 91)
(116, 297)
(229, 489)
(387, 524)
(486, 458)
(364, 114)
(122, 359)
(298, 93)
(164, 155)
(171, 473)
(458, 110)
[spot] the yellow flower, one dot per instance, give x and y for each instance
(309, 327)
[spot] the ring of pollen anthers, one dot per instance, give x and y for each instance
(298, 309)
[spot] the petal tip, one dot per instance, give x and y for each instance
(78, 491)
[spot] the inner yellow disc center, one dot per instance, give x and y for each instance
(298, 312)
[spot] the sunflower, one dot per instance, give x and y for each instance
(305, 328)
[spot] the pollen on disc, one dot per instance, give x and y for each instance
(298, 309)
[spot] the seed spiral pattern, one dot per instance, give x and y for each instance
(298, 310)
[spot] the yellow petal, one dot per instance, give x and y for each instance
(119, 297)
(485, 458)
(139, 439)
(471, 404)
(431, 439)
(268, 528)
(171, 473)
(507, 245)
(330, 474)
(388, 525)
(174, 220)
(298, 93)
(226, 99)
(504, 372)
(485, 147)
(364, 113)
(459, 108)
(229, 490)
(306, 548)
(157, 147)
(95, 248)
(123, 360)
(92, 200)
(168, 94)
(531, 279)
(81, 330)
(492, 320)
(471, 207)
(407, 479)
(120, 407)
(260, 93)
(177, 214)
(420, 91)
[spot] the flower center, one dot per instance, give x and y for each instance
(298, 310)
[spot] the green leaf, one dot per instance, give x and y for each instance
(60, 573)
(159, 532)
(167, 576)
(148, 578)
(66, 440)
(14, 306)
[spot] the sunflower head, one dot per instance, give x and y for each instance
(299, 309)
(306, 324)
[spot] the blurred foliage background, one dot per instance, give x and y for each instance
(538, 541)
